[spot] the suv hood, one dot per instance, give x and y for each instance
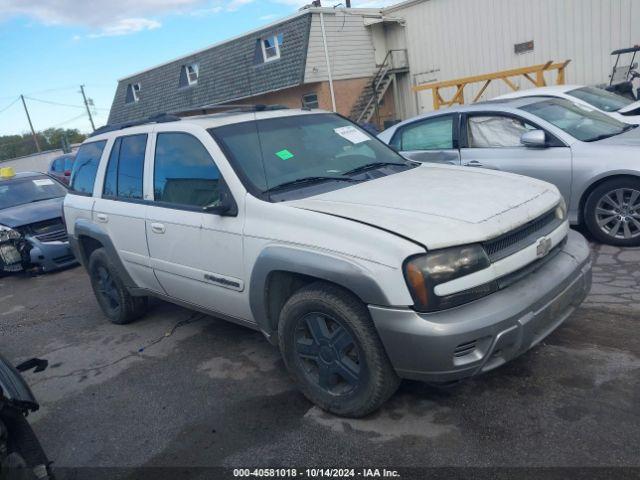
(440, 206)
(28, 213)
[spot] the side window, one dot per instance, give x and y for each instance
(184, 172)
(57, 165)
(432, 134)
(495, 131)
(86, 166)
(124, 175)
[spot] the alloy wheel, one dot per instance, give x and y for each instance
(618, 213)
(107, 288)
(328, 354)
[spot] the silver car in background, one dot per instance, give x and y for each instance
(592, 158)
(616, 106)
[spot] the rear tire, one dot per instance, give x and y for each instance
(119, 306)
(332, 349)
(612, 212)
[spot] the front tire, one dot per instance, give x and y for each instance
(331, 348)
(612, 212)
(114, 299)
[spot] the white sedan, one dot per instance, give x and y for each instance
(619, 107)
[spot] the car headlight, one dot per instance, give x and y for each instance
(424, 272)
(7, 234)
(561, 209)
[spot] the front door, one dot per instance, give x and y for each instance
(492, 141)
(432, 139)
(196, 255)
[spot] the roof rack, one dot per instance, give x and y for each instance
(158, 118)
(177, 115)
(230, 108)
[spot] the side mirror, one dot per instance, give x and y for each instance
(225, 206)
(534, 139)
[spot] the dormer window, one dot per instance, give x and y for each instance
(192, 73)
(133, 93)
(271, 47)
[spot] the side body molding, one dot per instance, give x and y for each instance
(316, 264)
(84, 228)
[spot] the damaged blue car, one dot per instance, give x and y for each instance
(32, 231)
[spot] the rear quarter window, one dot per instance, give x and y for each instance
(85, 168)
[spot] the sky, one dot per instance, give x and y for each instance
(48, 48)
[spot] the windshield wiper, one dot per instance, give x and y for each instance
(609, 135)
(372, 166)
(42, 199)
(307, 181)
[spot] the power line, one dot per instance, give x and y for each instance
(10, 105)
(50, 102)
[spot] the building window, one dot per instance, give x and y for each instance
(310, 100)
(133, 93)
(271, 47)
(189, 75)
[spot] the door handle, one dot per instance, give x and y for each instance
(158, 228)
(473, 163)
(102, 217)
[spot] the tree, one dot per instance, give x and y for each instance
(12, 146)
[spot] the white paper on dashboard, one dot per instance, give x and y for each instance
(43, 181)
(352, 134)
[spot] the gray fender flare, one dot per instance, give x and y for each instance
(323, 266)
(85, 228)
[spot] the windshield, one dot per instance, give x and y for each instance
(28, 190)
(601, 99)
(579, 121)
(272, 152)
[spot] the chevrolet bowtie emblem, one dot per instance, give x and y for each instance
(544, 245)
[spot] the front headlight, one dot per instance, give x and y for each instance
(561, 209)
(7, 234)
(424, 272)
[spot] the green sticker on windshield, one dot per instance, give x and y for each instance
(284, 154)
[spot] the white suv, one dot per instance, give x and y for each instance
(361, 266)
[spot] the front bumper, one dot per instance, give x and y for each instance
(50, 256)
(482, 335)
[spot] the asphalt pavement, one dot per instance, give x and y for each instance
(178, 388)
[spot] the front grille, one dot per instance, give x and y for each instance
(58, 236)
(515, 240)
(47, 231)
(64, 259)
(513, 277)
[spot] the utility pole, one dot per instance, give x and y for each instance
(86, 104)
(33, 132)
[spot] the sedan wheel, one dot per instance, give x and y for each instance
(618, 213)
(612, 212)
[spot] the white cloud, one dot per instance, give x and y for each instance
(234, 5)
(271, 16)
(331, 3)
(127, 26)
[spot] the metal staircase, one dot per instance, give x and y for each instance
(363, 109)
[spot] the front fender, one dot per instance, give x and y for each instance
(324, 266)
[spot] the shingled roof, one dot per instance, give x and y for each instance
(229, 71)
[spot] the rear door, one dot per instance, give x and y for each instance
(491, 140)
(197, 255)
(121, 212)
(434, 139)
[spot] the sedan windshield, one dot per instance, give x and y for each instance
(298, 151)
(21, 191)
(581, 122)
(601, 99)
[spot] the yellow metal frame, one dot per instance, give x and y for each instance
(535, 74)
